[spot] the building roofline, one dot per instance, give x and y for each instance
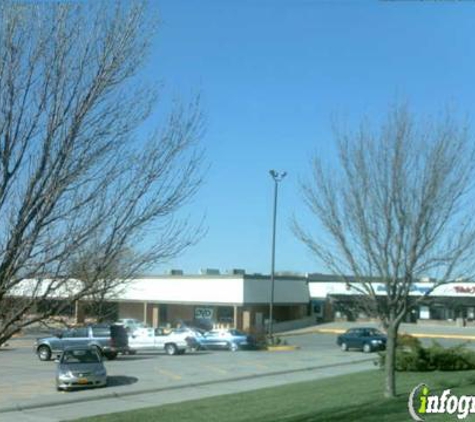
(247, 276)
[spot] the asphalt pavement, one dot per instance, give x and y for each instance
(149, 379)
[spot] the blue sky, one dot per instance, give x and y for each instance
(273, 74)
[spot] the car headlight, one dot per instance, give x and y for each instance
(376, 341)
(100, 372)
(67, 374)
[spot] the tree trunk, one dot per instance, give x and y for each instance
(390, 382)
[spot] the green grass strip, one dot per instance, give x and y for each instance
(354, 397)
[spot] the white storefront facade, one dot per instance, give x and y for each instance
(240, 300)
(336, 299)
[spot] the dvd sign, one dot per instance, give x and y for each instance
(204, 312)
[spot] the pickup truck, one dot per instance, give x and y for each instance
(173, 343)
(108, 341)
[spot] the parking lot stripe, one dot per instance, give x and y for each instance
(256, 364)
(169, 374)
(215, 369)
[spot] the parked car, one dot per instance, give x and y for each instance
(230, 339)
(193, 336)
(366, 339)
(80, 367)
(197, 324)
(108, 340)
(175, 342)
(131, 324)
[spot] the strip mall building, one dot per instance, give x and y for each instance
(448, 302)
(237, 299)
(242, 300)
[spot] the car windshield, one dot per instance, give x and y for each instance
(374, 332)
(80, 356)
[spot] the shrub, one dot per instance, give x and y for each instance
(258, 335)
(408, 342)
(412, 361)
(408, 360)
(276, 341)
(457, 358)
(411, 356)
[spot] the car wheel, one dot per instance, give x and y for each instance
(344, 347)
(367, 348)
(110, 356)
(233, 347)
(44, 353)
(171, 349)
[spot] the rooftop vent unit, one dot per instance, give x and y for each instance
(175, 272)
(209, 271)
(288, 274)
(427, 280)
(237, 271)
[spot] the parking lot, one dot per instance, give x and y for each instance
(27, 387)
(26, 381)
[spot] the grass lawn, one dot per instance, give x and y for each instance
(355, 397)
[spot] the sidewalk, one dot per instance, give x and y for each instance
(416, 330)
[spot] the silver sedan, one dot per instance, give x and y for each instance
(80, 368)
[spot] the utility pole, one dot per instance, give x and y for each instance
(277, 177)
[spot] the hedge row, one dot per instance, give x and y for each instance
(411, 356)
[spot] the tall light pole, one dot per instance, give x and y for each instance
(277, 178)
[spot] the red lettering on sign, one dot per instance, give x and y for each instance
(465, 289)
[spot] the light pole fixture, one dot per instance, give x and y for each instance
(277, 178)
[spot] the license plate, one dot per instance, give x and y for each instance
(82, 381)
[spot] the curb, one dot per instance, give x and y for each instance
(286, 348)
(314, 331)
(53, 403)
(443, 336)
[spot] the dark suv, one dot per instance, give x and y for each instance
(108, 340)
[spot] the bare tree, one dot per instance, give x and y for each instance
(78, 172)
(110, 274)
(396, 209)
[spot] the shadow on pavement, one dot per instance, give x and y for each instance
(151, 354)
(123, 359)
(119, 380)
(112, 381)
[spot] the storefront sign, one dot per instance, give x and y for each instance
(204, 312)
(414, 288)
(465, 289)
